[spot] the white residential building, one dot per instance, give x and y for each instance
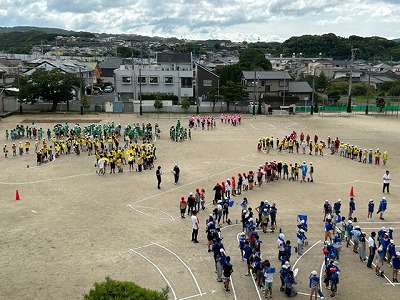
(171, 74)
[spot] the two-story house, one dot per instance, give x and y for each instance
(261, 84)
(172, 73)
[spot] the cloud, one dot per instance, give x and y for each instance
(236, 19)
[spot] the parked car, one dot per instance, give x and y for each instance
(108, 89)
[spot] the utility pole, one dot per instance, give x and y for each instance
(353, 52)
(313, 93)
(254, 93)
(369, 83)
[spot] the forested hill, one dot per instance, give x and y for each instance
(330, 45)
(21, 39)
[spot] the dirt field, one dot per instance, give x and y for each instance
(72, 227)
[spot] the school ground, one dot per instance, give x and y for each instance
(72, 227)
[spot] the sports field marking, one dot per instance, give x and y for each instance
(47, 180)
(158, 269)
(146, 214)
(305, 252)
(184, 185)
(384, 275)
(257, 128)
(233, 289)
(190, 271)
(140, 247)
(137, 208)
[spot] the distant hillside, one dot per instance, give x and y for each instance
(29, 28)
(397, 40)
(56, 31)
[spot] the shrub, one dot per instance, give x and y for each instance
(111, 289)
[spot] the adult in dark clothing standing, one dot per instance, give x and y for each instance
(218, 193)
(176, 172)
(159, 172)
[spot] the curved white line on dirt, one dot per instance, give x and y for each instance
(300, 257)
(158, 269)
(146, 214)
(187, 267)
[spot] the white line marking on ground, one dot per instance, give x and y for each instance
(233, 289)
(184, 185)
(193, 296)
(158, 269)
(34, 211)
(252, 277)
(387, 278)
(140, 247)
(187, 267)
(297, 260)
(46, 180)
(143, 213)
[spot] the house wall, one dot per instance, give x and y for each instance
(201, 76)
(168, 81)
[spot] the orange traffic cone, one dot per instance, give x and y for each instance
(351, 194)
(17, 195)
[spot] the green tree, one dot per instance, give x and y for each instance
(52, 86)
(321, 82)
(85, 102)
(228, 73)
(185, 103)
(213, 96)
(158, 104)
(243, 95)
(341, 87)
(334, 96)
(230, 93)
(359, 89)
(254, 59)
(111, 289)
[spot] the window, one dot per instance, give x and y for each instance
(207, 82)
(168, 79)
(126, 79)
(141, 79)
(153, 79)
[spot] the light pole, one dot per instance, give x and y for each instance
(353, 52)
(140, 91)
(369, 82)
(284, 88)
(254, 93)
(313, 93)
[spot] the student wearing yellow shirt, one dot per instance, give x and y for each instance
(27, 145)
(385, 157)
(131, 159)
(5, 151)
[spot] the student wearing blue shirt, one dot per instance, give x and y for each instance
(349, 230)
(227, 268)
(314, 286)
(328, 229)
(247, 255)
(382, 208)
(396, 265)
(370, 210)
(242, 240)
(221, 260)
(391, 251)
(337, 205)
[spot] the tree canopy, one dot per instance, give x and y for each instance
(254, 59)
(52, 86)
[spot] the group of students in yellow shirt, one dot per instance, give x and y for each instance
(140, 155)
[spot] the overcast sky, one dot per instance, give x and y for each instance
(237, 20)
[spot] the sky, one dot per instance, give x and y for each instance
(235, 20)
